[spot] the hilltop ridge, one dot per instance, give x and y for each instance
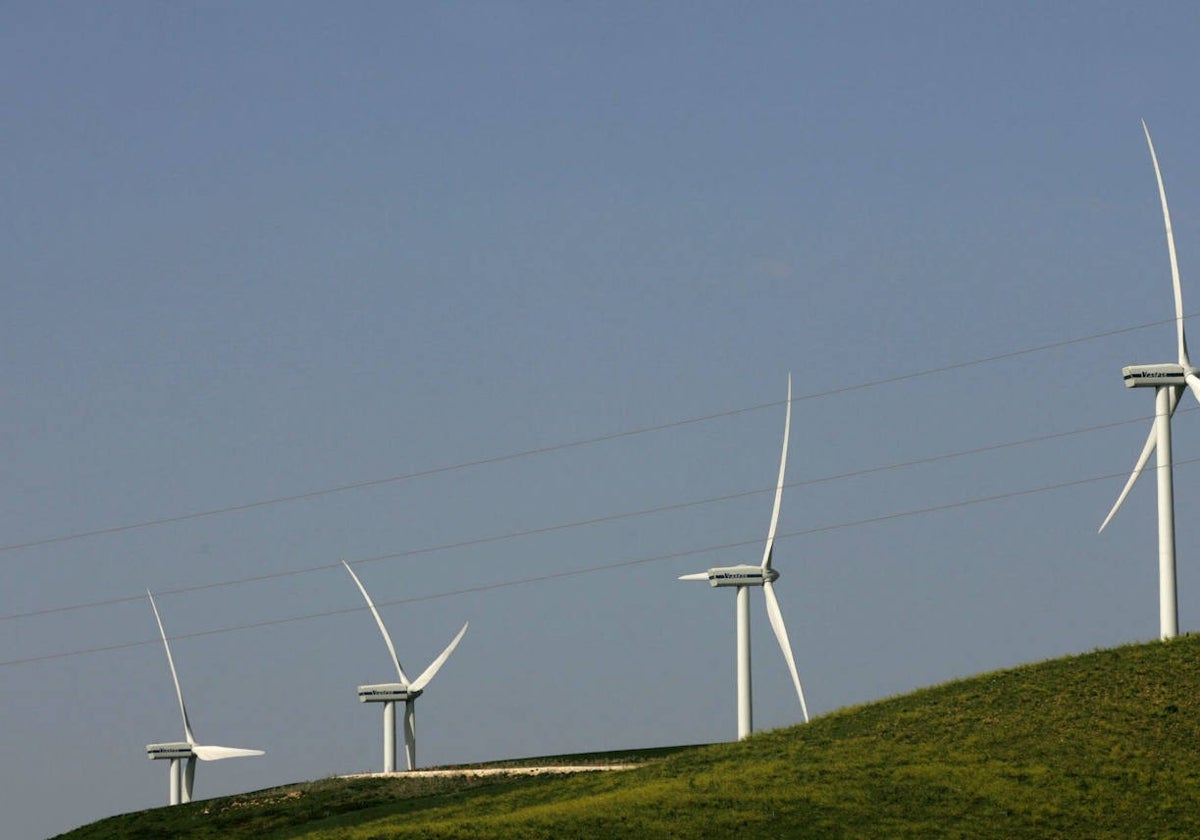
(1104, 744)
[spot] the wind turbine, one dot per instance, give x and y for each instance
(745, 576)
(1169, 382)
(180, 779)
(408, 691)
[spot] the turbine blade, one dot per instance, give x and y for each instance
(1162, 195)
(189, 779)
(696, 576)
(210, 753)
(187, 726)
(1151, 441)
(781, 634)
(787, 425)
(1147, 451)
(391, 648)
(424, 679)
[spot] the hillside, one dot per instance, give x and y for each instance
(1100, 745)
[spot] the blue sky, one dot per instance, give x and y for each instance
(256, 252)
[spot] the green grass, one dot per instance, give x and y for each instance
(1101, 745)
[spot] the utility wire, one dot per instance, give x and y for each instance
(491, 538)
(854, 523)
(558, 447)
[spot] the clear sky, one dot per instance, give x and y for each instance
(258, 251)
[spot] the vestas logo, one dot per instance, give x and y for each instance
(737, 576)
(1152, 374)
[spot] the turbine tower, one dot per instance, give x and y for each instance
(389, 693)
(181, 779)
(1169, 382)
(745, 576)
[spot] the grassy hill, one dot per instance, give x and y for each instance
(1101, 745)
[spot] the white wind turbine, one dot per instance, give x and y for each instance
(406, 690)
(745, 576)
(1169, 382)
(180, 779)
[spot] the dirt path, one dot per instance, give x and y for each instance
(468, 772)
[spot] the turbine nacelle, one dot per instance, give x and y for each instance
(744, 575)
(1155, 376)
(387, 693)
(178, 749)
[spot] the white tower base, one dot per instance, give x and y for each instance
(745, 721)
(389, 737)
(1168, 605)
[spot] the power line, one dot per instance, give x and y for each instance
(558, 447)
(854, 523)
(599, 520)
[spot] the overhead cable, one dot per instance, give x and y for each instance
(558, 447)
(598, 520)
(854, 523)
